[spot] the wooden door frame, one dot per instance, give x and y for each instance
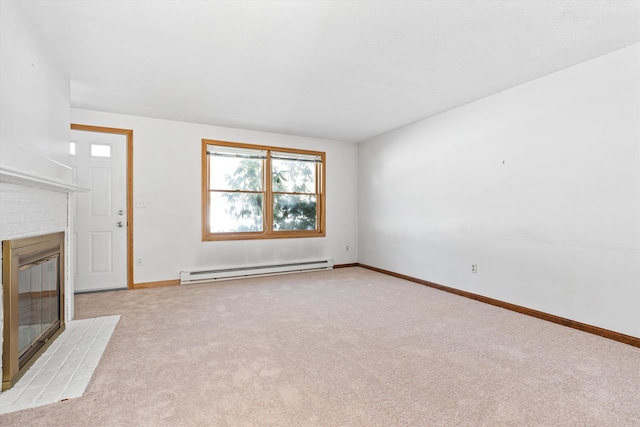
(129, 134)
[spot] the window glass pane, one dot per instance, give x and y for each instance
(293, 176)
(231, 173)
(235, 212)
(100, 150)
(72, 148)
(294, 212)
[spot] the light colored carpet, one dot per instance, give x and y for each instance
(347, 347)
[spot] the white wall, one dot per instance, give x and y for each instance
(167, 175)
(539, 185)
(34, 106)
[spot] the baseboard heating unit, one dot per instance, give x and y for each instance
(199, 276)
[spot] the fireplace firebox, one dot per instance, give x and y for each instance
(33, 292)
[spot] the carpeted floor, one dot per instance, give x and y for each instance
(347, 347)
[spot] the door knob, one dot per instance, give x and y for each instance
(119, 224)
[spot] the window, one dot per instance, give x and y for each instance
(258, 192)
(100, 150)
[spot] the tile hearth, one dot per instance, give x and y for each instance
(65, 368)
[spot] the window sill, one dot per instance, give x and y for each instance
(259, 236)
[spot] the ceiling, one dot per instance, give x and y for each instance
(342, 70)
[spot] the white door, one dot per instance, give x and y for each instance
(100, 217)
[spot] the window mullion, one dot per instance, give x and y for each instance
(206, 193)
(217, 190)
(294, 193)
(320, 190)
(318, 198)
(268, 196)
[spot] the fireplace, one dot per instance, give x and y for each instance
(33, 292)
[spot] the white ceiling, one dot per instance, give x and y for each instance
(344, 70)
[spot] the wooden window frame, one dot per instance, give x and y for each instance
(267, 216)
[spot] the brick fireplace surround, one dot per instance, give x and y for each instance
(32, 211)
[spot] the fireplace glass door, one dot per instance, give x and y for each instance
(33, 300)
(38, 308)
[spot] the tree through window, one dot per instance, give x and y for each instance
(253, 192)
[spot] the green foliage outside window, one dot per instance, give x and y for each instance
(290, 211)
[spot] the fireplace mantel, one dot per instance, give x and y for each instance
(16, 176)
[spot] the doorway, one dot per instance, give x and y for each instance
(102, 160)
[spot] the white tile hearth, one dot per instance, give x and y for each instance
(65, 368)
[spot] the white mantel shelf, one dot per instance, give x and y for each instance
(33, 180)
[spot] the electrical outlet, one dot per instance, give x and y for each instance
(138, 261)
(474, 268)
(347, 248)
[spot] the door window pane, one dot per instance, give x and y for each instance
(100, 150)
